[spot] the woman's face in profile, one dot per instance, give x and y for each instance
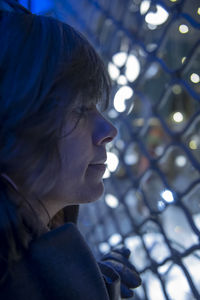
(83, 154)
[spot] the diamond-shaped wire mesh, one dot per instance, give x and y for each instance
(151, 202)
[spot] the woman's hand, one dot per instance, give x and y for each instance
(118, 260)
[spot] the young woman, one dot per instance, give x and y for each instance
(53, 90)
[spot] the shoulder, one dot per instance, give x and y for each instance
(59, 265)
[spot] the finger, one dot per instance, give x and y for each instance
(125, 291)
(120, 258)
(123, 250)
(131, 279)
(127, 276)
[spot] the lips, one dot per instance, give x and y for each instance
(99, 161)
(98, 167)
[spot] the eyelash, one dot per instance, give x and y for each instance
(82, 111)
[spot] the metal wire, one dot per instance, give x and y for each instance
(156, 184)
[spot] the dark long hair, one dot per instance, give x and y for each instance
(44, 65)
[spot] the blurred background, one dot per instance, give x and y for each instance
(151, 202)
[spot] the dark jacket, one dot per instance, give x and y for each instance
(60, 266)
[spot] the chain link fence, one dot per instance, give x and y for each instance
(152, 184)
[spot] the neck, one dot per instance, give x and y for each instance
(30, 205)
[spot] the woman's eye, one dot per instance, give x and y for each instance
(82, 110)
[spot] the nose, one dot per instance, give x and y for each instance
(105, 132)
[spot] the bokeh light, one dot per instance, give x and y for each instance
(113, 71)
(144, 6)
(132, 68)
(178, 117)
(119, 59)
(104, 247)
(111, 201)
(115, 239)
(112, 161)
(195, 78)
(124, 93)
(167, 196)
(183, 28)
(180, 161)
(157, 18)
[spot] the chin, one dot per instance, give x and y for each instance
(93, 194)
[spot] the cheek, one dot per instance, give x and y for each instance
(75, 124)
(74, 155)
(76, 151)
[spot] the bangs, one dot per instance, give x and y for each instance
(86, 71)
(96, 83)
